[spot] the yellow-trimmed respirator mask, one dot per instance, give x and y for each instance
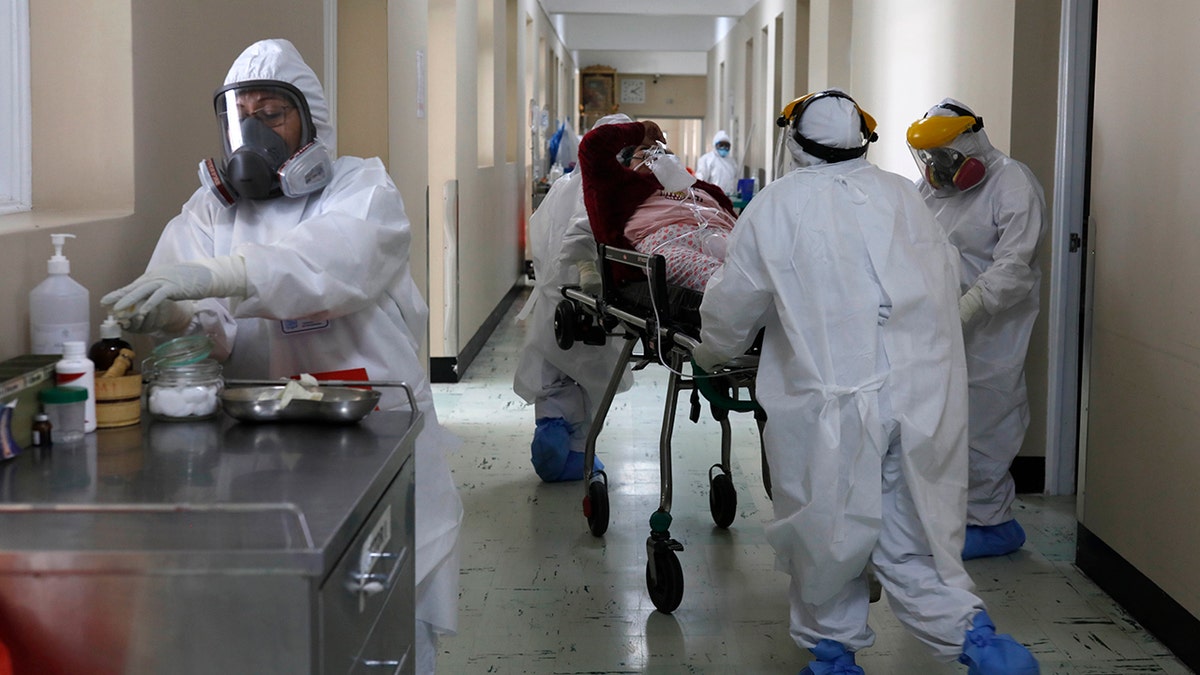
(270, 144)
(789, 118)
(946, 170)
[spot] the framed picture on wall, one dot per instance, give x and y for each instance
(597, 94)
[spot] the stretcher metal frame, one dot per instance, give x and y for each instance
(664, 334)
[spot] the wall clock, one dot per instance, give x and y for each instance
(633, 90)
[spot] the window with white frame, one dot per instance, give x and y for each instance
(15, 172)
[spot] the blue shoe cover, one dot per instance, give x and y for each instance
(832, 659)
(986, 653)
(550, 448)
(573, 469)
(984, 541)
(551, 453)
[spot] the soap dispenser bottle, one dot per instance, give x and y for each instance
(59, 306)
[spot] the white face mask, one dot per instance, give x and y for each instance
(669, 171)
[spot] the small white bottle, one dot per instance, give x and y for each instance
(59, 307)
(75, 369)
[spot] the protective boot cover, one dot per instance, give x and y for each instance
(986, 653)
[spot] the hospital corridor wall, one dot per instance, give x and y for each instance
(1140, 463)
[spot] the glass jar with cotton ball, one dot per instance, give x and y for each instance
(182, 383)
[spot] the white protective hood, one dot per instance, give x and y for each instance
(279, 60)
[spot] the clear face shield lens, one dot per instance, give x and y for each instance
(262, 128)
(947, 170)
(244, 113)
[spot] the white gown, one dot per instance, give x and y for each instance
(864, 385)
(997, 227)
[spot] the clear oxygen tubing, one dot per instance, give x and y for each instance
(699, 214)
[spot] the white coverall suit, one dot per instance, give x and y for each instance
(560, 383)
(864, 386)
(329, 288)
(718, 170)
(997, 227)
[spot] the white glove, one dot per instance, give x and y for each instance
(589, 277)
(220, 277)
(168, 316)
(970, 304)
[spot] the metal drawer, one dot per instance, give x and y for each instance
(375, 572)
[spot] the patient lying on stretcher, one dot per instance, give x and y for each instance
(639, 196)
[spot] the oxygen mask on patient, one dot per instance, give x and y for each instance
(667, 168)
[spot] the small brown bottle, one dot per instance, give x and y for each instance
(104, 353)
(40, 431)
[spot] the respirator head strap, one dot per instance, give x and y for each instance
(792, 112)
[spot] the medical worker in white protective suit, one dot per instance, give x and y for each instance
(305, 271)
(564, 386)
(864, 386)
(992, 207)
(716, 166)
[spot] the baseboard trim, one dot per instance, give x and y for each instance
(1158, 613)
(1029, 474)
(450, 369)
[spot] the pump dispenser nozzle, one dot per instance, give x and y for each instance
(109, 328)
(58, 263)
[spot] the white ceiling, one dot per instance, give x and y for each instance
(666, 37)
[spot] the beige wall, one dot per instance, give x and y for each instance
(381, 45)
(757, 52)
(1034, 120)
(896, 75)
(1141, 465)
(140, 118)
(666, 96)
(477, 213)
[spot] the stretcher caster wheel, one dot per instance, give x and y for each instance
(664, 579)
(564, 324)
(722, 498)
(595, 508)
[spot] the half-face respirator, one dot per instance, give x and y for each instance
(944, 168)
(270, 145)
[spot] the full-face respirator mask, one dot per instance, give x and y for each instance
(261, 121)
(947, 170)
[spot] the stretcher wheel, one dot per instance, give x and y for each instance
(722, 499)
(595, 508)
(564, 324)
(664, 581)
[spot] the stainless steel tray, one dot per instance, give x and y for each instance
(340, 405)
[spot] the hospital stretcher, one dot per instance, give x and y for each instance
(665, 321)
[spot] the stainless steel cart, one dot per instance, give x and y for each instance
(212, 547)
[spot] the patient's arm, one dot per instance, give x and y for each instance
(611, 191)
